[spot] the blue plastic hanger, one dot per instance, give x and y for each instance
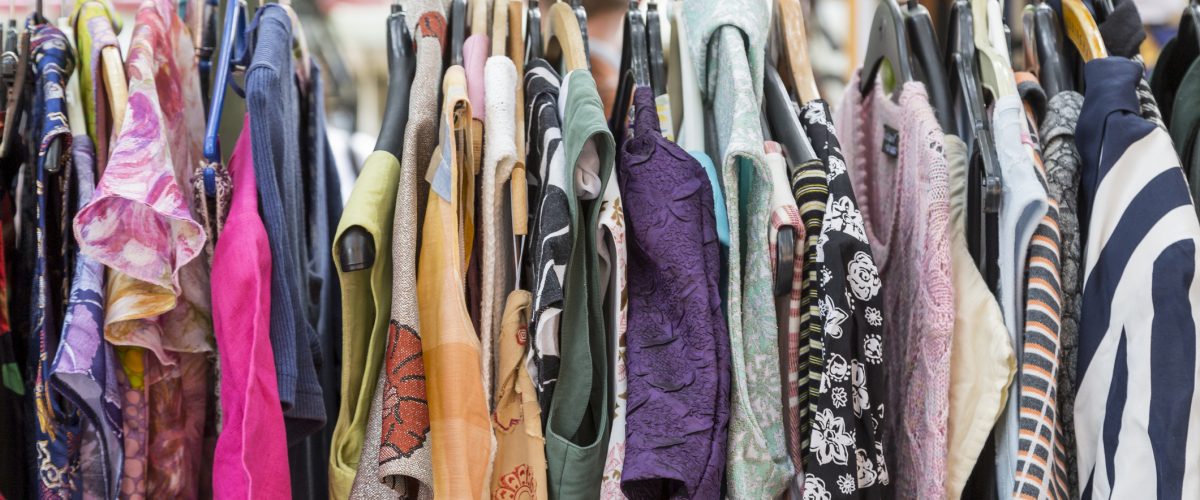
(233, 36)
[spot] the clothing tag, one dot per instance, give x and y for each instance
(662, 104)
(441, 174)
(891, 141)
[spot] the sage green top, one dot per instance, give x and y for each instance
(578, 425)
(366, 307)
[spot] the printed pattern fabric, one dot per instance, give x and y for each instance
(96, 23)
(1062, 176)
(845, 455)
(141, 225)
(57, 431)
(678, 354)
(785, 214)
(612, 245)
(551, 238)
(1041, 454)
(811, 190)
(519, 471)
(85, 366)
(1137, 335)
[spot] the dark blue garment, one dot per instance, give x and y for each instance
(274, 106)
(57, 423)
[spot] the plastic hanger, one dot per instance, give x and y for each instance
(929, 70)
(564, 39)
(112, 71)
(1103, 9)
(786, 130)
(887, 43)
(1176, 58)
(1082, 30)
(658, 62)
(581, 17)
(635, 68)
(233, 38)
(299, 45)
(207, 47)
(795, 66)
(984, 177)
(458, 30)
(533, 32)
(995, 70)
(1043, 48)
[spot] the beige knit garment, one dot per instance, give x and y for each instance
(405, 459)
(499, 156)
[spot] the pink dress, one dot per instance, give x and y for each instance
(251, 458)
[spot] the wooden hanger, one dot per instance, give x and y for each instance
(995, 70)
(112, 67)
(888, 43)
(564, 39)
(795, 66)
(518, 187)
(478, 12)
(1082, 30)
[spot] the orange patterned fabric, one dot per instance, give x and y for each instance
(520, 466)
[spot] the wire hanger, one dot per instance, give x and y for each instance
(1043, 47)
(887, 43)
(564, 39)
(928, 67)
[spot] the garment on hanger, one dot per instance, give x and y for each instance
(404, 452)
(96, 24)
(499, 158)
(273, 103)
(520, 467)
(1062, 163)
(1040, 454)
(982, 363)
(1023, 204)
(678, 375)
(458, 409)
(475, 53)
(895, 158)
(57, 426)
(733, 36)
(158, 310)
(251, 455)
(578, 420)
(1137, 294)
(366, 297)
(1185, 124)
(843, 441)
(785, 214)
(612, 246)
(551, 232)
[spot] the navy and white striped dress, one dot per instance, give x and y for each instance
(1137, 417)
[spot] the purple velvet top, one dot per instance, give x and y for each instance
(677, 344)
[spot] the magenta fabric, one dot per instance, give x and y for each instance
(251, 458)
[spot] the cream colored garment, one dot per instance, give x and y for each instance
(982, 363)
(499, 156)
(460, 422)
(520, 465)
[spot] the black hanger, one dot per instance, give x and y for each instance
(984, 179)
(785, 129)
(1102, 9)
(208, 45)
(928, 68)
(356, 246)
(533, 32)
(888, 43)
(458, 30)
(1043, 48)
(635, 68)
(1176, 58)
(402, 64)
(658, 64)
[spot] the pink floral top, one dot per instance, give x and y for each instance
(141, 225)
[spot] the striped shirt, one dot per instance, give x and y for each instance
(811, 190)
(1041, 457)
(1136, 414)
